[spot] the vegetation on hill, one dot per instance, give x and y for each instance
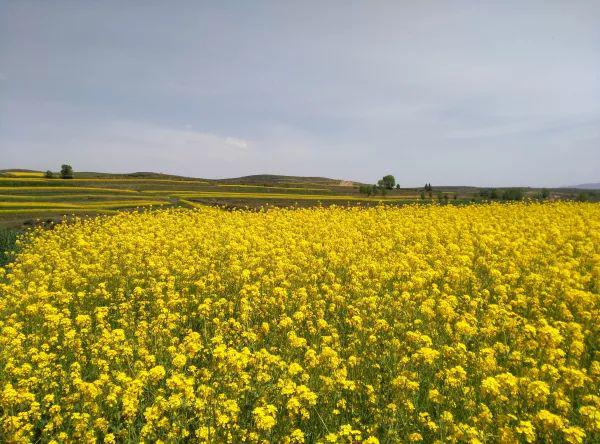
(48, 197)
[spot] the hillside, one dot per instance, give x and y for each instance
(588, 186)
(28, 198)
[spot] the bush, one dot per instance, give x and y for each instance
(513, 194)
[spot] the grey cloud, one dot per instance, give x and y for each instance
(461, 92)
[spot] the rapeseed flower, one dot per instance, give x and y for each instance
(414, 324)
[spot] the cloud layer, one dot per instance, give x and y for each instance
(443, 92)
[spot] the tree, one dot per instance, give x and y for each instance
(369, 190)
(494, 194)
(513, 194)
(422, 195)
(545, 193)
(49, 175)
(397, 186)
(388, 182)
(66, 172)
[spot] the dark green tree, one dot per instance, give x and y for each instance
(49, 175)
(66, 172)
(388, 182)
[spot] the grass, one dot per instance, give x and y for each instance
(8, 239)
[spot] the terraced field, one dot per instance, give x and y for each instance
(28, 198)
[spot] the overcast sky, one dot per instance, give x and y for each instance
(447, 92)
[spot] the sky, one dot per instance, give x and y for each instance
(479, 93)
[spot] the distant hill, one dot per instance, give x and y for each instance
(588, 186)
(18, 170)
(252, 179)
(136, 175)
(275, 178)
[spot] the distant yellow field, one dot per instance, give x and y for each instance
(23, 174)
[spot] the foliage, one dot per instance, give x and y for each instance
(49, 175)
(513, 194)
(582, 196)
(66, 172)
(366, 189)
(318, 325)
(372, 190)
(8, 240)
(388, 182)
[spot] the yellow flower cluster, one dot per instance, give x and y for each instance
(414, 324)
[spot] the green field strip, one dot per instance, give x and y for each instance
(270, 187)
(190, 203)
(252, 190)
(125, 204)
(18, 190)
(64, 197)
(82, 205)
(25, 205)
(55, 211)
(286, 196)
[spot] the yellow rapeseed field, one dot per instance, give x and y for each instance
(415, 324)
